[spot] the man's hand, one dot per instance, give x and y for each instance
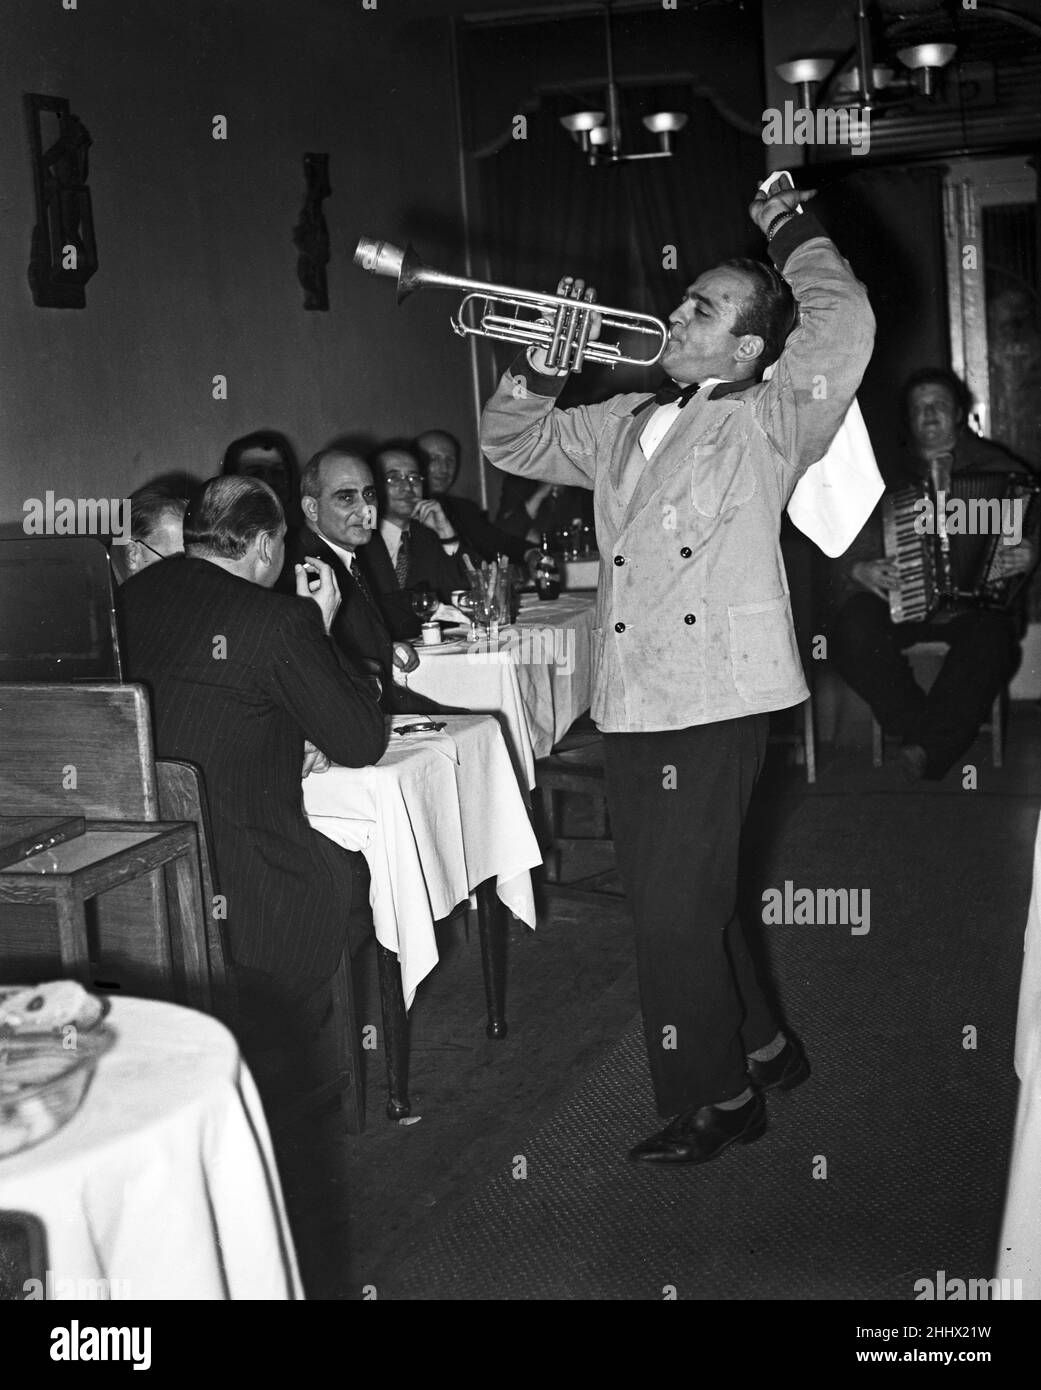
(574, 289)
(314, 759)
(537, 498)
(429, 512)
(877, 576)
(326, 592)
(405, 658)
(762, 209)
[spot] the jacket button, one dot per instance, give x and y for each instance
(619, 559)
(619, 627)
(689, 619)
(686, 552)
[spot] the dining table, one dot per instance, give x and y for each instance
(163, 1184)
(536, 679)
(440, 815)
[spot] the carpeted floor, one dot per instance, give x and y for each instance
(887, 1166)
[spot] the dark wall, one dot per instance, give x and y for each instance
(197, 266)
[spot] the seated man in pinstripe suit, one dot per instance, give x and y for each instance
(240, 678)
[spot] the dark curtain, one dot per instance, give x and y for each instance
(888, 223)
(539, 211)
(543, 212)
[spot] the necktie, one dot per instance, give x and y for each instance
(401, 563)
(362, 583)
(667, 393)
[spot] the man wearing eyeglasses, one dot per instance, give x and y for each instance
(415, 547)
(156, 519)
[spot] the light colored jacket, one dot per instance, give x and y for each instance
(693, 617)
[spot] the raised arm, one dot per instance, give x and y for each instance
(824, 358)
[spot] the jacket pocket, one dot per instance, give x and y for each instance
(720, 479)
(763, 655)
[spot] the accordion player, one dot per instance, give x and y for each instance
(950, 540)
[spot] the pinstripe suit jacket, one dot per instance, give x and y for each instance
(242, 718)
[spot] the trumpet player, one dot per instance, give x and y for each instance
(694, 644)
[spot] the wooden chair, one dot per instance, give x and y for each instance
(933, 653)
(182, 797)
(804, 740)
(575, 767)
(57, 619)
(87, 750)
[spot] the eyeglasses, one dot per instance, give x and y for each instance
(403, 479)
(155, 552)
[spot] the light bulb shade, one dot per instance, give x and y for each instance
(665, 121)
(582, 121)
(804, 70)
(927, 55)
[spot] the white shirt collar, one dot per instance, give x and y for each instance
(347, 556)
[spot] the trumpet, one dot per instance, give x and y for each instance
(485, 312)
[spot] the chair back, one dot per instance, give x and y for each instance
(182, 796)
(57, 618)
(85, 750)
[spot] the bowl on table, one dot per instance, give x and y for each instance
(45, 1074)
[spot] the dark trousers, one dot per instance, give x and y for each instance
(678, 800)
(279, 1031)
(867, 648)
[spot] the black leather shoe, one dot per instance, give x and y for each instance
(783, 1072)
(697, 1136)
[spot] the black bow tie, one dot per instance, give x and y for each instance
(667, 393)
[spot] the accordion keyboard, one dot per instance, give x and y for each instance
(912, 553)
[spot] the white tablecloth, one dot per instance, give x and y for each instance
(437, 816)
(537, 684)
(1019, 1252)
(163, 1185)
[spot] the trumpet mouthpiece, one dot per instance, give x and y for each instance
(378, 257)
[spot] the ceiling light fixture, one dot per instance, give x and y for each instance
(599, 133)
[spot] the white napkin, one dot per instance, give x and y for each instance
(836, 495)
(447, 613)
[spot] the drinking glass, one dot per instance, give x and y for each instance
(424, 601)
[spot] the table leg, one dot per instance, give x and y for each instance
(550, 854)
(72, 933)
(395, 1033)
(491, 920)
(191, 926)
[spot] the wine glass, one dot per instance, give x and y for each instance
(486, 612)
(424, 602)
(467, 605)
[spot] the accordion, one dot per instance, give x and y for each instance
(948, 546)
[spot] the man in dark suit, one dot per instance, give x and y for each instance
(415, 546)
(338, 501)
(479, 538)
(239, 679)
